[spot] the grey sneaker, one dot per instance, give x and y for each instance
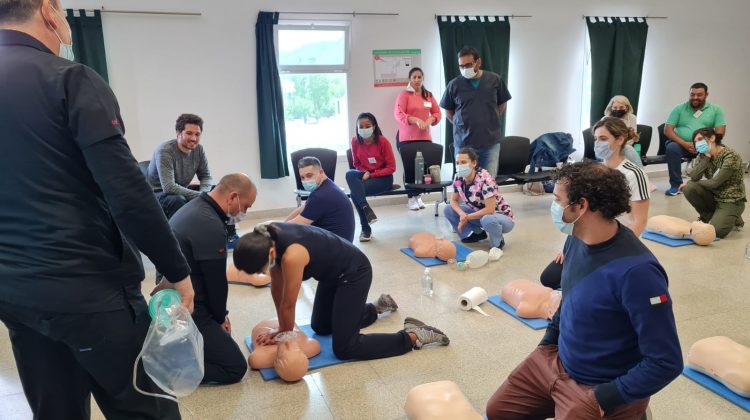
(411, 323)
(385, 303)
(428, 335)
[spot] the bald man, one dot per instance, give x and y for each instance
(201, 230)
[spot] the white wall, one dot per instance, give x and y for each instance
(161, 66)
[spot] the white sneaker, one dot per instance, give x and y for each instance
(413, 204)
(420, 202)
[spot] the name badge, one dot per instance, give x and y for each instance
(427, 104)
(372, 160)
(698, 114)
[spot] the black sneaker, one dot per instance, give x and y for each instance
(365, 236)
(474, 237)
(369, 215)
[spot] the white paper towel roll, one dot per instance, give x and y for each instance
(472, 299)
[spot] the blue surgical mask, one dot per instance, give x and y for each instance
(557, 218)
(602, 150)
(462, 171)
(469, 73)
(366, 133)
(702, 146)
(66, 50)
(309, 186)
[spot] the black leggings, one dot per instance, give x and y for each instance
(341, 309)
(552, 275)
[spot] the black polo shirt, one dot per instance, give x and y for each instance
(200, 228)
(70, 190)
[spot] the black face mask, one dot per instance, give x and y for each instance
(619, 113)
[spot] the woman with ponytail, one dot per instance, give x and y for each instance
(292, 253)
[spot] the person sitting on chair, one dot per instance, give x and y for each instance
(477, 208)
(327, 207)
(720, 198)
(374, 166)
(619, 107)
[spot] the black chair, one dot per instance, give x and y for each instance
(588, 144)
(327, 159)
(660, 156)
(644, 138)
(433, 155)
(514, 157)
(517, 145)
(143, 166)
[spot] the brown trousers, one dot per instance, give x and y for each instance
(539, 388)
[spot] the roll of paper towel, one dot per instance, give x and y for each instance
(472, 299)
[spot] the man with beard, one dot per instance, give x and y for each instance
(682, 122)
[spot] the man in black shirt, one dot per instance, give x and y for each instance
(75, 210)
(201, 229)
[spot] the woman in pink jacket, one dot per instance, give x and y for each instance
(416, 110)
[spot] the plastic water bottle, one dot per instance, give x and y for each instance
(427, 283)
(418, 168)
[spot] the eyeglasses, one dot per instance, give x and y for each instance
(467, 65)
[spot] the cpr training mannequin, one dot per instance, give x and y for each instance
(288, 357)
(724, 360)
(673, 227)
(530, 299)
(426, 245)
(441, 400)
(236, 276)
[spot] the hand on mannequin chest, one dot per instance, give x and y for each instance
(288, 357)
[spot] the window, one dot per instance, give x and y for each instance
(313, 62)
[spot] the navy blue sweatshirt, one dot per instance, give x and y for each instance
(615, 328)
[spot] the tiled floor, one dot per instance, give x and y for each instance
(708, 286)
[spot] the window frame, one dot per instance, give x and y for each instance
(325, 68)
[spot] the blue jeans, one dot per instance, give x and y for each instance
(489, 156)
(675, 153)
(359, 190)
(494, 224)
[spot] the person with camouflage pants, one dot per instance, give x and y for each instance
(716, 188)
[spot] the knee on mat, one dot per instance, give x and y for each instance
(723, 231)
(320, 330)
(343, 350)
(236, 372)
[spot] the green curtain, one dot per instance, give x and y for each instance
(490, 38)
(617, 51)
(271, 131)
(88, 40)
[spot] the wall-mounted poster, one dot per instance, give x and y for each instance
(391, 67)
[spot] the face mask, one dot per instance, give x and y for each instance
(309, 186)
(602, 150)
(366, 133)
(463, 171)
(66, 50)
(702, 147)
(619, 113)
(469, 73)
(409, 88)
(557, 218)
(233, 220)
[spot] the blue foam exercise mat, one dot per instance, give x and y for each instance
(666, 240)
(323, 359)
(461, 253)
(717, 387)
(534, 323)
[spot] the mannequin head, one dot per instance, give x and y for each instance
(291, 362)
(441, 400)
(702, 233)
(236, 276)
(531, 300)
(289, 357)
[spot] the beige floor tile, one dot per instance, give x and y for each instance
(708, 286)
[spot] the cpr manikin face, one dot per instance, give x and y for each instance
(426, 245)
(530, 299)
(673, 227)
(237, 276)
(724, 360)
(441, 400)
(288, 357)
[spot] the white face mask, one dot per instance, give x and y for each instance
(469, 73)
(233, 220)
(66, 50)
(366, 133)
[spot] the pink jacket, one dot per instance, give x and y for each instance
(409, 104)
